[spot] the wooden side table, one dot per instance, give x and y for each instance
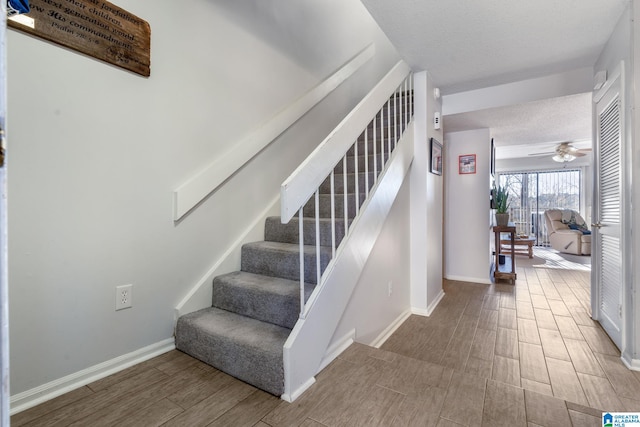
(523, 246)
(508, 269)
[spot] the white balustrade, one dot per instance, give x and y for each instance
(374, 140)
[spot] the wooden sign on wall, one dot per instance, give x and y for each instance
(94, 27)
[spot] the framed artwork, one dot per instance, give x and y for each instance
(436, 157)
(467, 164)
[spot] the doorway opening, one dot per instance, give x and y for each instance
(532, 193)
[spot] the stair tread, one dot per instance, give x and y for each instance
(285, 247)
(251, 332)
(309, 218)
(283, 260)
(262, 283)
(248, 349)
(270, 299)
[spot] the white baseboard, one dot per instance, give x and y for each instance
(293, 396)
(430, 308)
(334, 351)
(435, 302)
(484, 281)
(384, 335)
(30, 398)
(337, 348)
(633, 364)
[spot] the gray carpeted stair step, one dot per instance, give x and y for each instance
(283, 260)
(275, 231)
(325, 205)
(265, 298)
(245, 348)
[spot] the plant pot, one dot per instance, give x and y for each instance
(502, 219)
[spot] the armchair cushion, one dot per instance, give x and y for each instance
(568, 231)
(581, 228)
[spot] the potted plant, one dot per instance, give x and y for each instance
(501, 203)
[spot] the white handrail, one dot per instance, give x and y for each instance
(301, 184)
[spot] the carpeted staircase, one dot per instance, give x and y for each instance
(254, 309)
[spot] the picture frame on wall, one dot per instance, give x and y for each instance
(436, 157)
(467, 164)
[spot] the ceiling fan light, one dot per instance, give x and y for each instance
(565, 157)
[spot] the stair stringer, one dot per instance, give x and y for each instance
(307, 345)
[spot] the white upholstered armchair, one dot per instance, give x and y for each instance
(567, 232)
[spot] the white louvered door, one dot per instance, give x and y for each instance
(606, 238)
(4, 274)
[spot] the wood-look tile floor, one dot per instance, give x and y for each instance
(516, 355)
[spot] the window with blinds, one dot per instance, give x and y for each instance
(531, 193)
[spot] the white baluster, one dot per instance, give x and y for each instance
(345, 195)
(395, 118)
(357, 179)
(301, 248)
(318, 269)
(333, 215)
(382, 137)
(366, 161)
(405, 106)
(375, 150)
(389, 128)
(411, 94)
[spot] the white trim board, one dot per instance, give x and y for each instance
(430, 308)
(389, 330)
(337, 348)
(199, 186)
(632, 364)
(469, 279)
(35, 396)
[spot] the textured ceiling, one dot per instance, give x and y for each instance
(471, 44)
(517, 128)
(468, 44)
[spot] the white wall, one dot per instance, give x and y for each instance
(426, 203)
(371, 308)
(555, 85)
(435, 206)
(95, 153)
(467, 214)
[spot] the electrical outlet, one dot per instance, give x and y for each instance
(124, 297)
(390, 288)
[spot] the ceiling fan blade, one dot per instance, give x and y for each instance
(548, 153)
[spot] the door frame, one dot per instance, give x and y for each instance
(618, 74)
(4, 277)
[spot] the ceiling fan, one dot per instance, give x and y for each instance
(564, 152)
